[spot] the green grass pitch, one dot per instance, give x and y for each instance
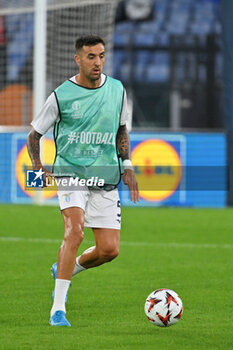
(188, 250)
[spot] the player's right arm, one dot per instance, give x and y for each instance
(45, 119)
(33, 145)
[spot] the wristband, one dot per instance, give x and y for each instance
(127, 164)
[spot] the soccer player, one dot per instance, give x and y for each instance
(88, 113)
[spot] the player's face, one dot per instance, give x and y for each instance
(90, 60)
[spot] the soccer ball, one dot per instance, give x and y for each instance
(163, 307)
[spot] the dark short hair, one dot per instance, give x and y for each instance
(88, 40)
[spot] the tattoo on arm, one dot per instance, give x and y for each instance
(123, 142)
(33, 145)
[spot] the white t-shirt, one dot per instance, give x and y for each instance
(50, 113)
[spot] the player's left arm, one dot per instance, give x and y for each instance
(123, 146)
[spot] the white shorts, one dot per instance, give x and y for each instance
(102, 208)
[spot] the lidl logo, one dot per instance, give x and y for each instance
(35, 178)
(158, 169)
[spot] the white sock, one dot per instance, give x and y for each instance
(78, 268)
(61, 288)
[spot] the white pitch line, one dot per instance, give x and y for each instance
(124, 243)
(30, 240)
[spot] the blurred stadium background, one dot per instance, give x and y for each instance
(169, 55)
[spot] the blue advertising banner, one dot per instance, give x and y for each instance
(20, 163)
(179, 169)
(172, 169)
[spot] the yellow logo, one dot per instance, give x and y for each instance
(23, 163)
(157, 168)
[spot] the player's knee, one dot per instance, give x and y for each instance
(74, 236)
(109, 253)
(114, 254)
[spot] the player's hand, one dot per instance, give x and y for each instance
(130, 180)
(47, 174)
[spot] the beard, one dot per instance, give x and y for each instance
(94, 77)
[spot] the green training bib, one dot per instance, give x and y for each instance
(85, 134)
